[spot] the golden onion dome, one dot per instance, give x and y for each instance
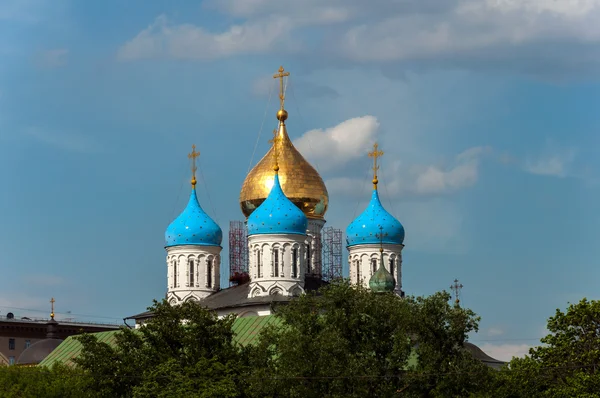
(299, 180)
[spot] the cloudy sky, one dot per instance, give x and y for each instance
(487, 111)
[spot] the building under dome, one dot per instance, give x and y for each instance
(281, 250)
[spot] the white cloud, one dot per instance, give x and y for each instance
(553, 161)
(420, 180)
(338, 145)
(472, 27)
(544, 37)
(186, 41)
(505, 352)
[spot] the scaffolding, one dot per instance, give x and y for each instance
(331, 253)
(324, 250)
(238, 253)
(314, 252)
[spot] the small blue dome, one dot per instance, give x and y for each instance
(365, 228)
(277, 215)
(193, 227)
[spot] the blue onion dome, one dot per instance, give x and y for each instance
(277, 215)
(373, 221)
(193, 226)
(382, 281)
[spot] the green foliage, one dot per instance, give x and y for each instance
(350, 342)
(567, 365)
(185, 350)
(345, 341)
(444, 368)
(32, 382)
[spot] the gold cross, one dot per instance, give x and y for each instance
(375, 155)
(193, 157)
(275, 140)
(52, 301)
(280, 75)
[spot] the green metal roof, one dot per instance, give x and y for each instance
(246, 332)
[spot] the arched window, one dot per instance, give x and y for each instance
(374, 264)
(276, 262)
(258, 263)
(357, 262)
(209, 270)
(174, 273)
(392, 267)
(191, 265)
(294, 263)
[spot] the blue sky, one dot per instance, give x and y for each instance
(487, 113)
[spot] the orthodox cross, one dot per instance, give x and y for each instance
(275, 140)
(376, 154)
(280, 75)
(193, 157)
(52, 301)
(456, 287)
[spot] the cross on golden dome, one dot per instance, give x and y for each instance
(375, 155)
(282, 113)
(193, 155)
(300, 182)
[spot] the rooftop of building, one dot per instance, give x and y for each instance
(246, 331)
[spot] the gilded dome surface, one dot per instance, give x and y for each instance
(300, 181)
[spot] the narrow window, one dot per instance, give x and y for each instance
(308, 263)
(294, 263)
(11, 360)
(392, 266)
(258, 263)
(27, 343)
(357, 272)
(191, 272)
(175, 273)
(276, 262)
(374, 264)
(11, 344)
(209, 267)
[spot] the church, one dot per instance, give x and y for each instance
(284, 201)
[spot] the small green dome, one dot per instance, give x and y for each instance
(382, 281)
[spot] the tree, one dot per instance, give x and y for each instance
(184, 350)
(349, 342)
(567, 365)
(444, 367)
(58, 382)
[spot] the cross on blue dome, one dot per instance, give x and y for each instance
(193, 227)
(277, 215)
(372, 222)
(375, 225)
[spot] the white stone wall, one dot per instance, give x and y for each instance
(364, 260)
(193, 272)
(270, 264)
